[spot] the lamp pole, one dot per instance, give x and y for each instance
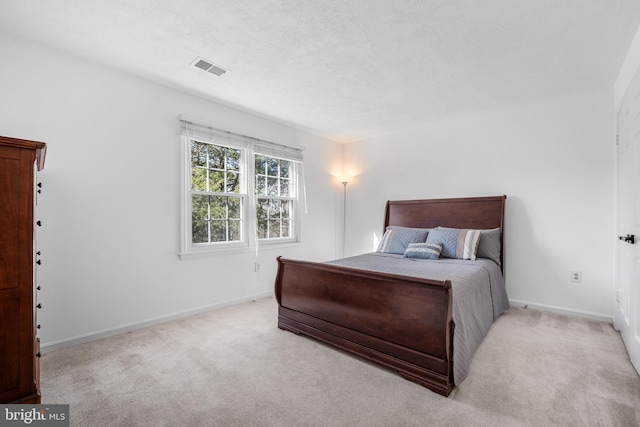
(344, 215)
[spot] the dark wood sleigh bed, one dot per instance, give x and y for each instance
(402, 322)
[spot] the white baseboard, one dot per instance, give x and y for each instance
(561, 310)
(92, 336)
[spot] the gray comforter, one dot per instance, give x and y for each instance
(479, 295)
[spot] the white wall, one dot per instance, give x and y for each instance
(110, 204)
(553, 160)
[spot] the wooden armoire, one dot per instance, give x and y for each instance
(19, 346)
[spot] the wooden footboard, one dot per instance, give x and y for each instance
(400, 322)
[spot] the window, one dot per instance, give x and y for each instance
(216, 199)
(274, 197)
(237, 191)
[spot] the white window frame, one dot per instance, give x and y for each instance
(195, 130)
(242, 194)
(294, 198)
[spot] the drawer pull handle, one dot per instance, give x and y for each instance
(38, 354)
(39, 305)
(38, 262)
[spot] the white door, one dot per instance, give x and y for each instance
(627, 316)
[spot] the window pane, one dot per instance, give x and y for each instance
(219, 231)
(200, 208)
(216, 181)
(272, 166)
(260, 165)
(262, 209)
(274, 229)
(262, 229)
(218, 207)
(284, 187)
(233, 159)
(198, 179)
(261, 185)
(272, 186)
(286, 228)
(284, 168)
(233, 182)
(235, 211)
(234, 231)
(199, 231)
(286, 209)
(198, 154)
(216, 157)
(274, 209)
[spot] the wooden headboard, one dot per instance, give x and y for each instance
(471, 212)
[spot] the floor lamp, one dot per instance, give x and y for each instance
(345, 181)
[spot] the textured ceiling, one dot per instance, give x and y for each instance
(347, 69)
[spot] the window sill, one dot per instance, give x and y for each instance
(237, 250)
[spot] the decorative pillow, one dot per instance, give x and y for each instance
(456, 243)
(396, 239)
(423, 250)
(489, 246)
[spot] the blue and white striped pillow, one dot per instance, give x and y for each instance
(423, 250)
(489, 245)
(396, 239)
(456, 243)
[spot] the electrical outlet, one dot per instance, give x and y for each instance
(257, 267)
(576, 276)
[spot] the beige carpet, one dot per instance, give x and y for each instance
(234, 367)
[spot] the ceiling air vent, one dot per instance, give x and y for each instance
(208, 66)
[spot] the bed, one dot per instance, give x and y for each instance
(423, 318)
